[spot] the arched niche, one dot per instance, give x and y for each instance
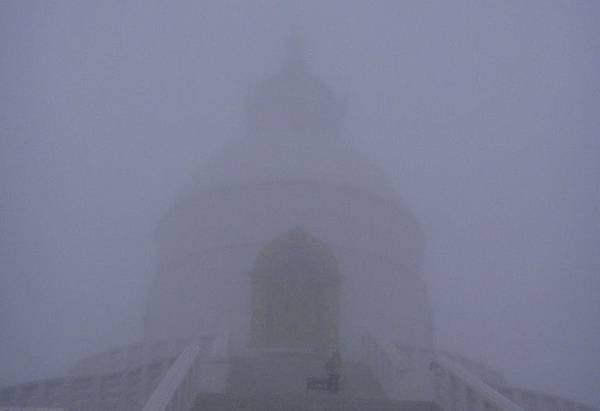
(295, 294)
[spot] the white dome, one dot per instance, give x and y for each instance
(289, 158)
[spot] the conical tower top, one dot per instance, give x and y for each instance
(294, 101)
(295, 53)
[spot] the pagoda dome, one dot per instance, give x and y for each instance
(293, 122)
(294, 100)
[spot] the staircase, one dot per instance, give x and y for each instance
(301, 402)
(287, 374)
(277, 383)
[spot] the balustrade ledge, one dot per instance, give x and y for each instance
(169, 388)
(490, 396)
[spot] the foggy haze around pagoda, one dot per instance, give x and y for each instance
(480, 118)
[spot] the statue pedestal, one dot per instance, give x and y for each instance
(282, 351)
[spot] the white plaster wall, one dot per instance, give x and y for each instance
(209, 241)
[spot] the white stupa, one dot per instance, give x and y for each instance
(291, 169)
(290, 246)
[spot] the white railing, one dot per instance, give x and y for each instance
(125, 390)
(129, 356)
(29, 409)
(177, 389)
(190, 374)
(420, 374)
(380, 359)
(403, 374)
(457, 389)
(539, 401)
(172, 381)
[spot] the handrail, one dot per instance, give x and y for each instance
(176, 390)
(118, 390)
(540, 401)
(380, 357)
(29, 409)
(454, 387)
(457, 389)
(392, 371)
(191, 373)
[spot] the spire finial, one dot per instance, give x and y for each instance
(295, 51)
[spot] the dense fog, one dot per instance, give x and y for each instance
(481, 116)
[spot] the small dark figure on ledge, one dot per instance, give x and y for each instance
(332, 367)
(332, 382)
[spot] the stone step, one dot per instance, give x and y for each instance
(308, 402)
(288, 374)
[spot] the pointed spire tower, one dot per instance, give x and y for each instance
(294, 101)
(295, 53)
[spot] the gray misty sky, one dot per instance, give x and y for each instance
(483, 114)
